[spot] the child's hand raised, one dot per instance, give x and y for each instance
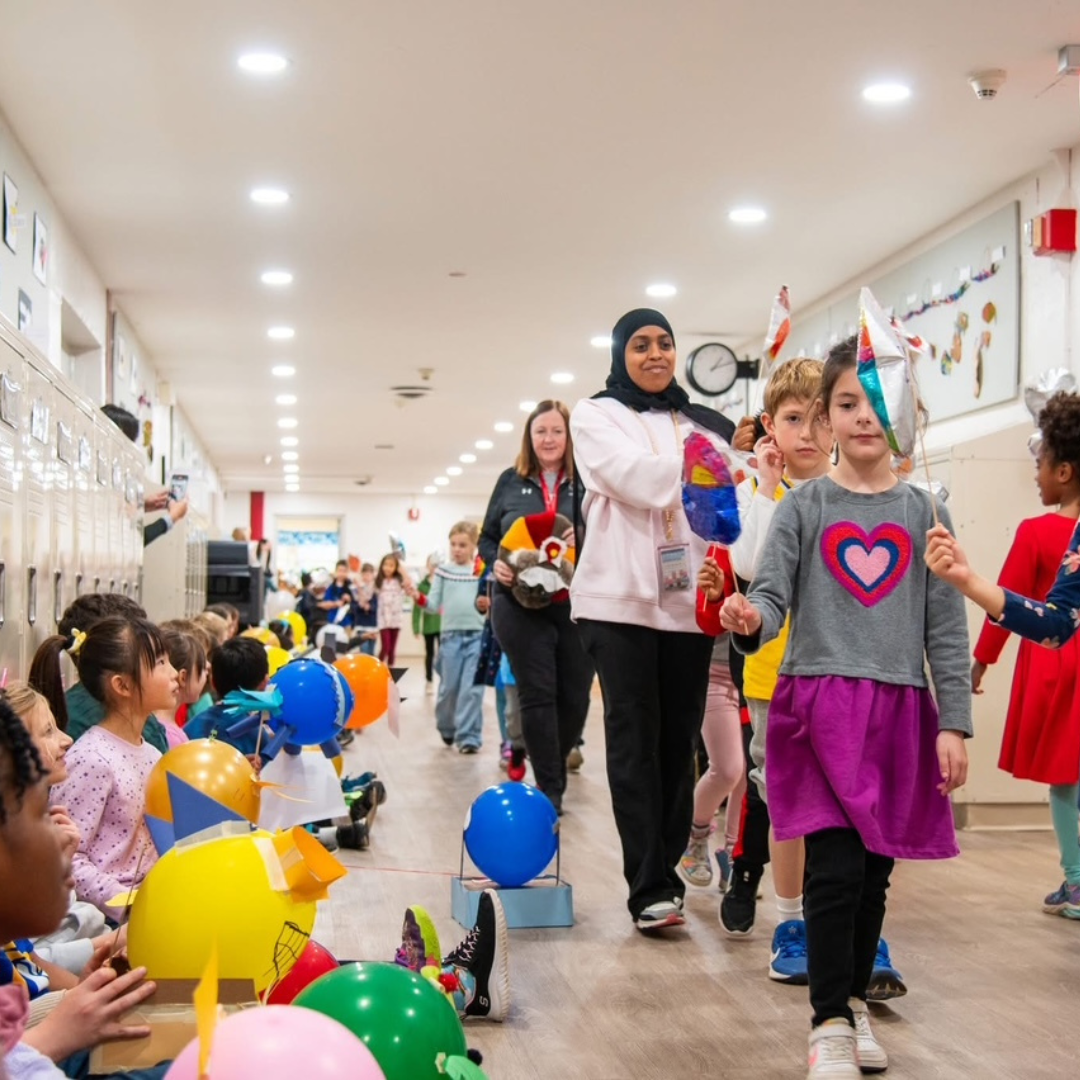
(710, 580)
(946, 558)
(770, 467)
(740, 616)
(952, 760)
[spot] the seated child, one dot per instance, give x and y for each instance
(187, 657)
(77, 710)
(124, 665)
(239, 664)
(36, 872)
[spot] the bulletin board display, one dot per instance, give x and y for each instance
(963, 298)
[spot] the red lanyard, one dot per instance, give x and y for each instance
(551, 498)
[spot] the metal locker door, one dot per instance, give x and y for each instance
(116, 515)
(38, 455)
(102, 500)
(64, 545)
(13, 420)
(85, 489)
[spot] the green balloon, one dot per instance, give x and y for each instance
(404, 1020)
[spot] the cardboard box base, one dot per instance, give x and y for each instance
(170, 1013)
(547, 901)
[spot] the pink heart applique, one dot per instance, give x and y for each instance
(869, 567)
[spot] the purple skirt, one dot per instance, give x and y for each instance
(857, 754)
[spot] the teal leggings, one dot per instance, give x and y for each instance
(1063, 813)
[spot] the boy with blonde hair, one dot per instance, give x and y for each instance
(459, 707)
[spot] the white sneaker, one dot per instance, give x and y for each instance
(660, 915)
(832, 1052)
(870, 1053)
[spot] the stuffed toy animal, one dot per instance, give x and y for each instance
(542, 560)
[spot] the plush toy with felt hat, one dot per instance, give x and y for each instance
(536, 549)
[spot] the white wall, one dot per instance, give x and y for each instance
(1049, 297)
(367, 520)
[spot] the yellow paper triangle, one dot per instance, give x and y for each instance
(206, 1010)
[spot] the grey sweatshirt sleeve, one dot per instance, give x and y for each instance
(72, 956)
(774, 581)
(947, 647)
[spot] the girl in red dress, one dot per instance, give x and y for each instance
(1042, 729)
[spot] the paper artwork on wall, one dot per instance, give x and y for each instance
(41, 250)
(26, 312)
(11, 209)
(962, 297)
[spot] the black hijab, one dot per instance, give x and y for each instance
(673, 398)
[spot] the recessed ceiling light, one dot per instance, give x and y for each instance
(269, 196)
(287, 422)
(262, 63)
(290, 440)
(886, 93)
(290, 455)
(467, 459)
(289, 469)
(281, 333)
(285, 399)
(562, 377)
(484, 444)
(431, 490)
(747, 215)
(276, 277)
(527, 406)
(292, 489)
(454, 470)
(268, 459)
(442, 481)
(661, 291)
(504, 427)
(283, 371)
(601, 341)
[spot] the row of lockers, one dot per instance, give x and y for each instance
(71, 498)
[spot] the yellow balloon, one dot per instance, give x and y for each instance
(298, 624)
(277, 658)
(213, 768)
(229, 892)
(261, 634)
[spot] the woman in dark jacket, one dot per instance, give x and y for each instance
(553, 673)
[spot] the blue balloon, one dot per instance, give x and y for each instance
(512, 833)
(346, 689)
(312, 702)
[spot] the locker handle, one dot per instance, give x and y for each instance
(3, 594)
(58, 595)
(112, 585)
(31, 595)
(78, 583)
(97, 583)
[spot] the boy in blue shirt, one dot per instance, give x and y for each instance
(238, 664)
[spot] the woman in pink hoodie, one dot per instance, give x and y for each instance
(633, 598)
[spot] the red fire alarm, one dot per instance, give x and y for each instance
(1053, 232)
(414, 513)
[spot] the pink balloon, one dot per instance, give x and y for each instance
(280, 1042)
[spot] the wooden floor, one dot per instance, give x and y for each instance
(993, 982)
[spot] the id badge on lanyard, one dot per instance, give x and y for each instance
(673, 562)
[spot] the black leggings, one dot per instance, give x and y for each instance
(554, 678)
(845, 909)
(431, 647)
(654, 685)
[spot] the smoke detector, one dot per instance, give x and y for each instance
(986, 84)
(363, 481)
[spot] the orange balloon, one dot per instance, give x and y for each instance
(214, 768)
(369, 679)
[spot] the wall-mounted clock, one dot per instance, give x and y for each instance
(712, 369)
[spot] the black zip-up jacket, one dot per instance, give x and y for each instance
(515, 497)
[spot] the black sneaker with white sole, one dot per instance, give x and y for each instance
(738, 908)
(485, 955)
